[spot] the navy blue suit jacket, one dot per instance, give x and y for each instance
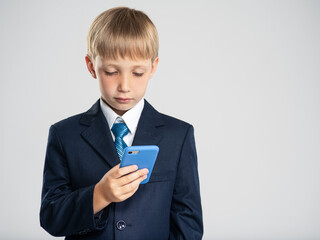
(80, 151)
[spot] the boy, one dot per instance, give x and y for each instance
(85, 194)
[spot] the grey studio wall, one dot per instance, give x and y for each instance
(246, 74)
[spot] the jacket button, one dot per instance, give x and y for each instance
(121, 225)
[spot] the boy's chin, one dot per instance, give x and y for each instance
(121, 110)
(118, 108)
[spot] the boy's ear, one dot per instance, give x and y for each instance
(90, 66)
(154, 65)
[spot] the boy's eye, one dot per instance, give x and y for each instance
(110, 73)
(138, 74)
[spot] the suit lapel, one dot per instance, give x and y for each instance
(147, 130)
(98, 134)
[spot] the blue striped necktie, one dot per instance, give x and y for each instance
(120, 130)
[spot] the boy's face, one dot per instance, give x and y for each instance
(123, 82)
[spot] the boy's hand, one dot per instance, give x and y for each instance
(117, 185)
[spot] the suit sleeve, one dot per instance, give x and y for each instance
(65, 211)
(186, 211)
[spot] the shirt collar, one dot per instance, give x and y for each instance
(131, 117)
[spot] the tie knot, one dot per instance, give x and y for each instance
(119, 130)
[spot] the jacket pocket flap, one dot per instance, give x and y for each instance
(160, 177)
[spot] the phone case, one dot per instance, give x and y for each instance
(142, 156)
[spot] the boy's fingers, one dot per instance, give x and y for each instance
(133, 176)
(133, 186)
(128, 195)
(119, 172)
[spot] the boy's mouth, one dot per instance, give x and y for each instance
(123, 100)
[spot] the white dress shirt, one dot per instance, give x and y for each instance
(130, 118)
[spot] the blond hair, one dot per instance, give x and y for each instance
(123, 32)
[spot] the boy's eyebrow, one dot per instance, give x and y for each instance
(139, 66)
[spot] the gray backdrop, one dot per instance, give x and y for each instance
(244, 73)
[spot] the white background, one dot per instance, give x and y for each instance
(246, 74)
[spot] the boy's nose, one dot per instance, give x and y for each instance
(123, 84)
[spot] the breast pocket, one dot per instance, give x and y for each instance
(162, 176)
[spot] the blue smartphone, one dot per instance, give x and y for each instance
(142, 156)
